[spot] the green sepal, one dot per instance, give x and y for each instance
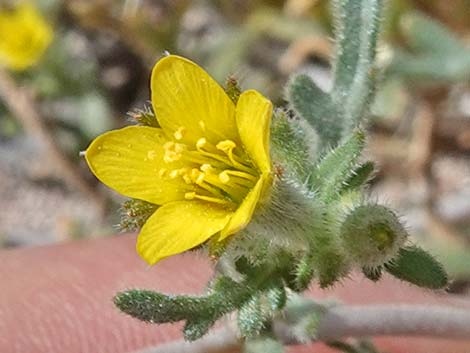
(372, 273)
(304, 273)
(418, 267)
(144, 117)
(134, 214)
(289, 146)
(232, 88)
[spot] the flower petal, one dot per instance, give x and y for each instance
(129, 160)
(184, 95)
(243, 214)
(179, 226)
(253, 115)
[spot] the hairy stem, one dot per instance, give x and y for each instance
(348, 321)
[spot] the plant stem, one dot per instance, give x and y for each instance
(347, 321)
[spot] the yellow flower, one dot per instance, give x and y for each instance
(24, 36)
(208, 166)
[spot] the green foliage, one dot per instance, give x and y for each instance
(317, 107)
(252, 317)
(337, 167)
(328, 260)
(304, 273)
(289, 144)
(357, 26)
(316, 224)
(436, 55)
(200, 313)
(416, 266)
(359, 177)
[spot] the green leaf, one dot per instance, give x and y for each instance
(357, 25)
(316, 107)
(337, 167)
(416, 266)
(360, 176)
(154, 307)
(424, 34)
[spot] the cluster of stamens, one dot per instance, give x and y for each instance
(220, 173)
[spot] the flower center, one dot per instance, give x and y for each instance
(220, 173)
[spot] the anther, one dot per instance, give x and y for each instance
(187, 178)
(168, 145)
(190, 195)
(200, 143)
(206, 168)
(179, 147)
(202, 125)
(179, 133)
(224, 177)
(174, 174)
(200, 178)
(226, 145)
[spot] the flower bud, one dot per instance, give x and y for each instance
(372, 235)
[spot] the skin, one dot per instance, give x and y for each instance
(58, 299)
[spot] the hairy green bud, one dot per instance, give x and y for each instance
(372, 235)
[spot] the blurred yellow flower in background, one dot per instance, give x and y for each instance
(24, 36)
(208, 166)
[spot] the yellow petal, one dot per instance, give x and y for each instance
(243, 214)
(253, 115)
(129, 160)
(184, 95)
(179, 226)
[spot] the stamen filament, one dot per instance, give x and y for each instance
(192, 195)
(241, 174)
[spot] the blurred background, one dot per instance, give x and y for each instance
(84, 69)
